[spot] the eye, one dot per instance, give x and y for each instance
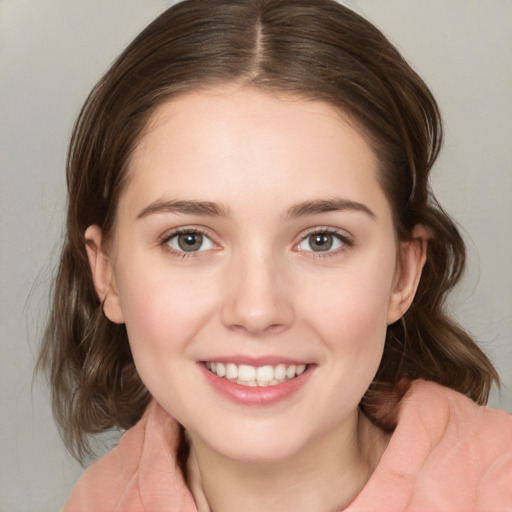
(323, 241)
(189, 241)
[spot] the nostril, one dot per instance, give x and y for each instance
(269, 318)
(254, 329)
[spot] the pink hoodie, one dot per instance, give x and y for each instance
(446, 454)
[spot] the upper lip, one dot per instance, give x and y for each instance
(270, 360)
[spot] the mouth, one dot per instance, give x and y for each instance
(256, 376)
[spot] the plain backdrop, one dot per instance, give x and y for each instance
(51, 54)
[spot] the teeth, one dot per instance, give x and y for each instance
(220, 370)
(252, 376)
(246, 372)
(265, 373)
(290, 371)
(231, 371)
(280, 372)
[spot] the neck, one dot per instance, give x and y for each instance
(325, 476)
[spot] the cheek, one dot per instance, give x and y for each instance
(163, 314)
(162, 310)
(350, 316)
(353, 302)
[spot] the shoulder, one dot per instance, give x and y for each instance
(141, 473)
(446, 454)
(104, 483)
(443, 410)
(469, 446)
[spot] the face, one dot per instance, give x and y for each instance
(254, 262)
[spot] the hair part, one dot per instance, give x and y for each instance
(314, 49)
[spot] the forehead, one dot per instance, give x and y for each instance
(241, 143)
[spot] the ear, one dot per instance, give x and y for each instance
(413, 254)
(103, 275)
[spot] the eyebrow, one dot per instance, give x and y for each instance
(328, 205)
(211, 209)
(204, 208)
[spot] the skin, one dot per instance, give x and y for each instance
(256, 288)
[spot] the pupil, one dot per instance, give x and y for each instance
(320, 242)
(190, 241)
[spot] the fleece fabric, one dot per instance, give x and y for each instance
(446, 454)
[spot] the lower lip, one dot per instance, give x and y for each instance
(255, 396)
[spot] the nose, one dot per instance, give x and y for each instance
(257, 298)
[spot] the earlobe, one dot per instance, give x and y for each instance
(102, 274)
(412, 259)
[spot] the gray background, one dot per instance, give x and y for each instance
(51, 54)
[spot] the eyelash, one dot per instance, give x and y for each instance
(346, 241)
(167, 237)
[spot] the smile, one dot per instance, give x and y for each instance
(255, 376)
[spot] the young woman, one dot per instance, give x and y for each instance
(254, 275)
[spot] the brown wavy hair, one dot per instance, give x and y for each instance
(316, 49)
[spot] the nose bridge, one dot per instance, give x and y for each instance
(256, 300)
